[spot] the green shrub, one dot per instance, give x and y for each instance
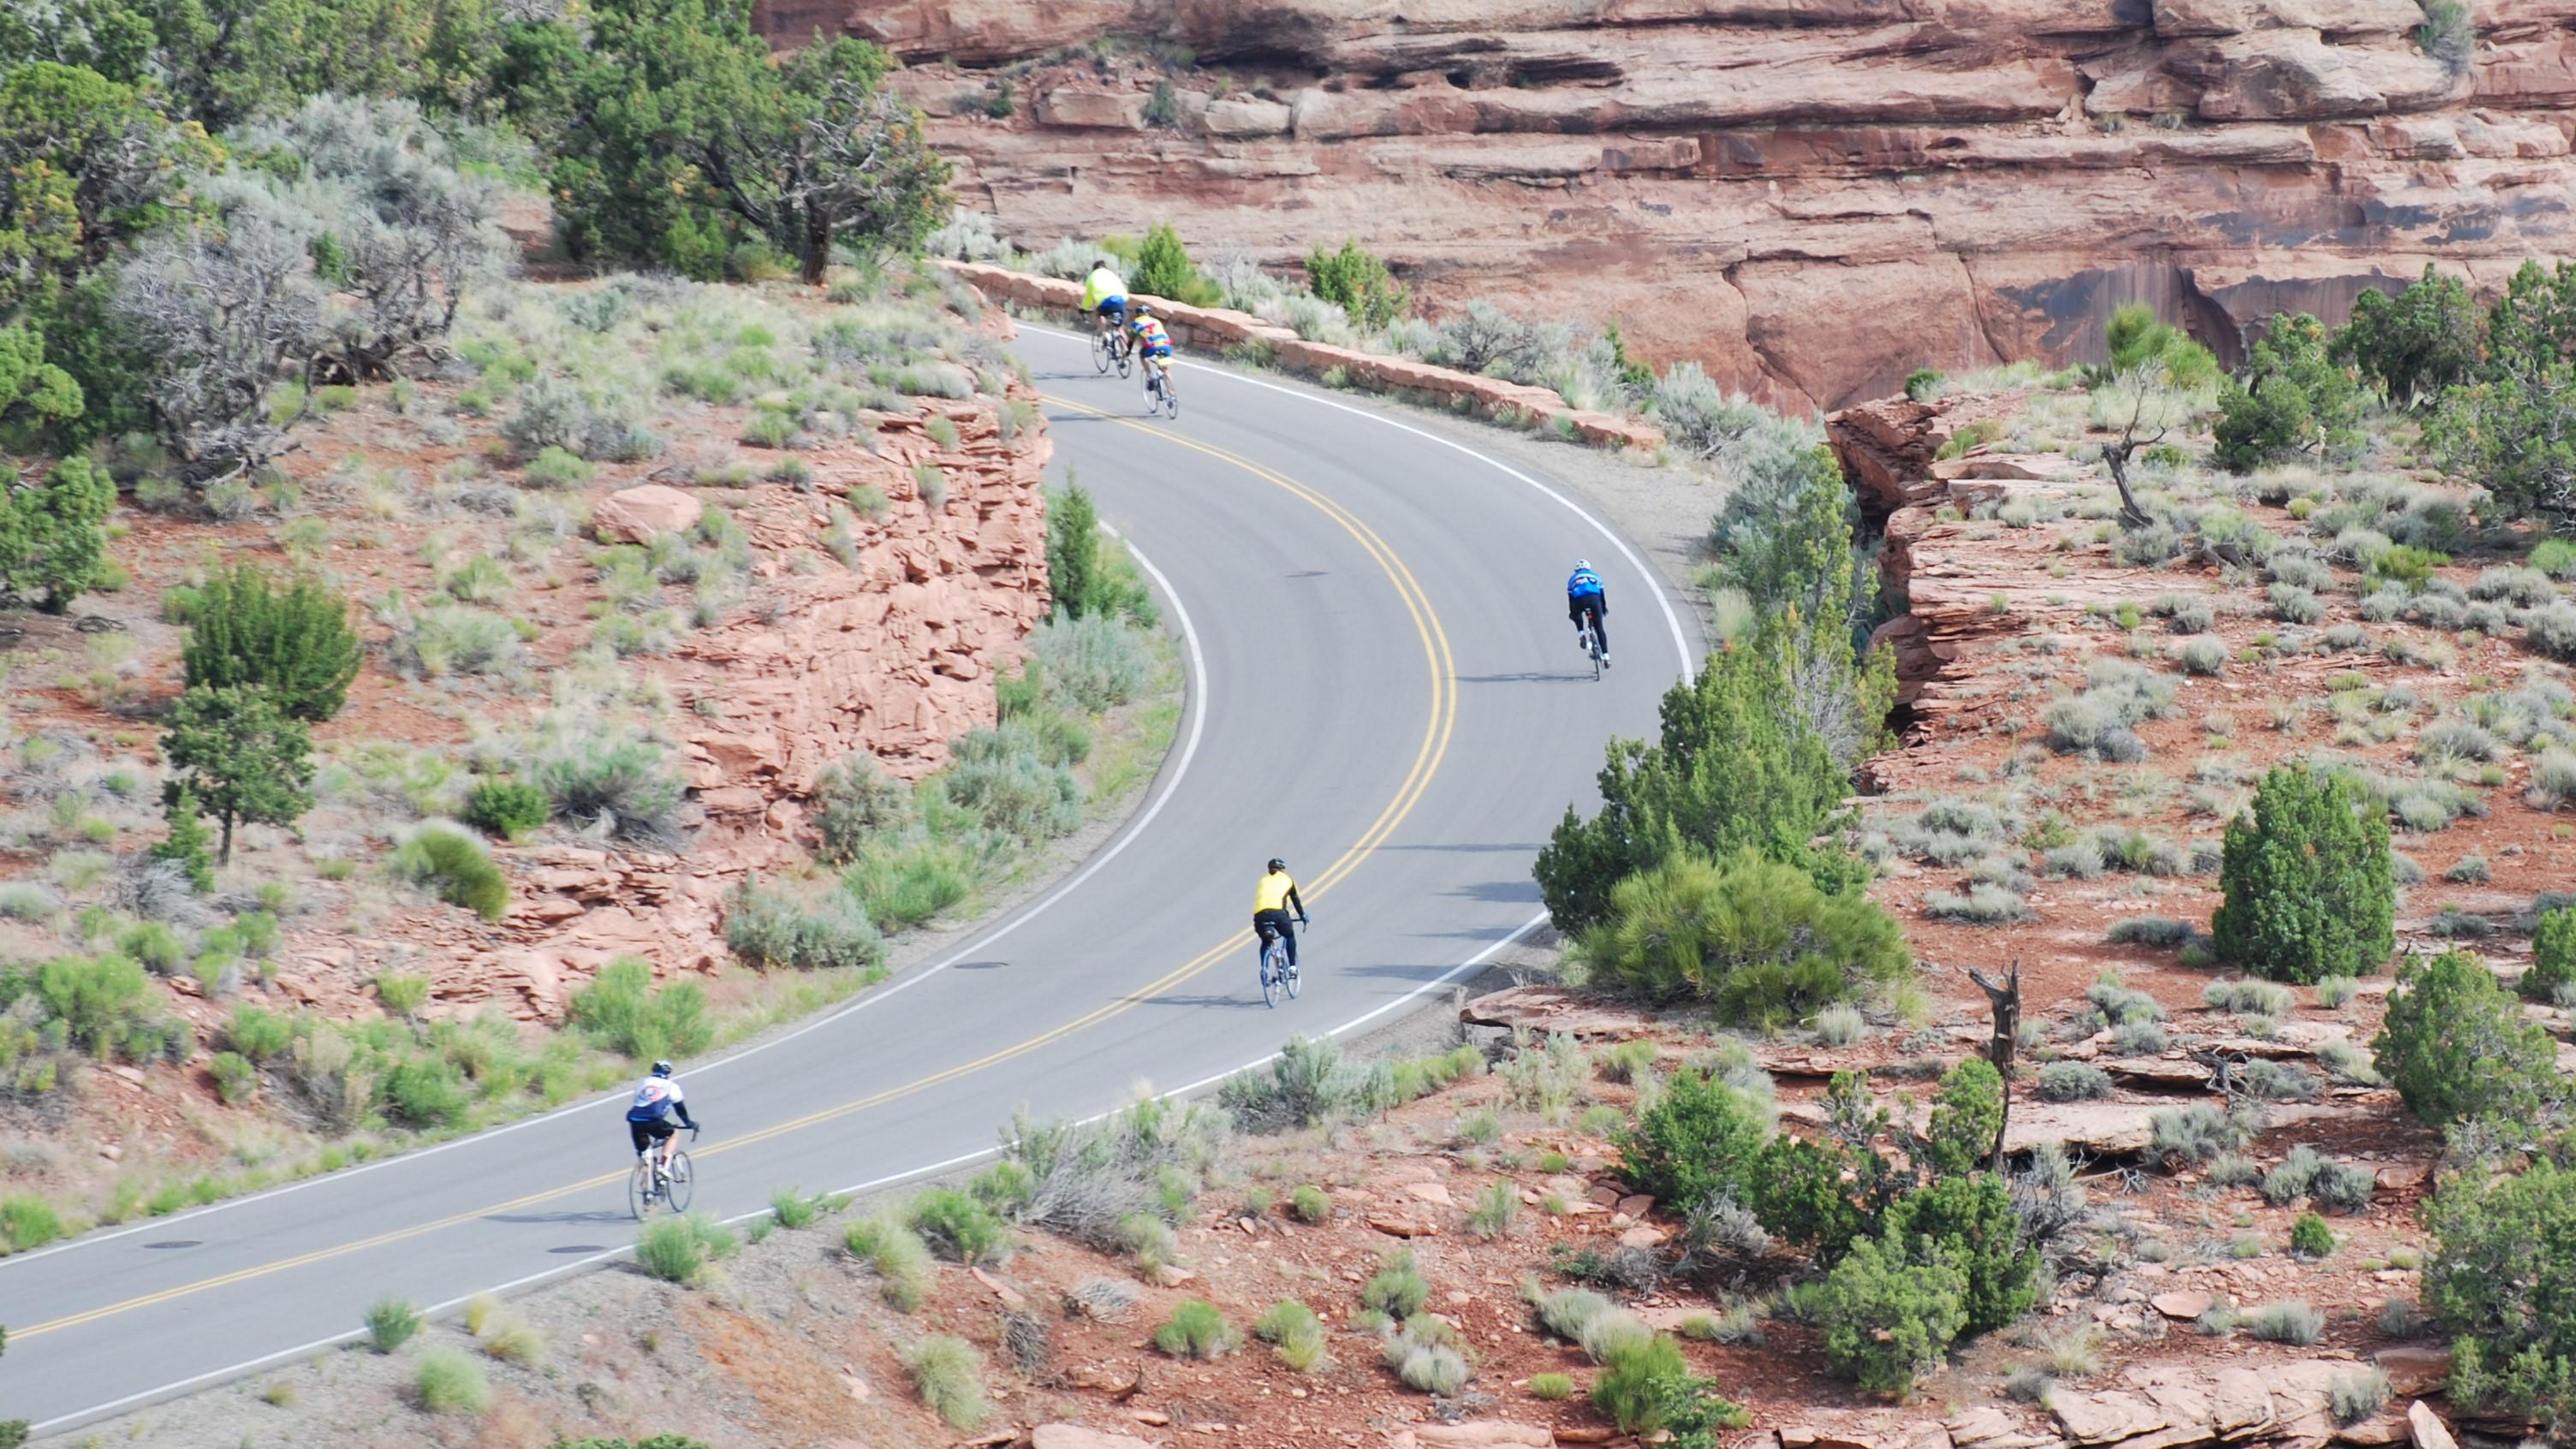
(1196, 1330)
(1311, 1204)
(27, 1222)
(2457, 1048)
(235, 1077)
(425, 1091)
(99, 1001)
(1754, 936)
(456, 868)
(555, 468)
(296, 643)
(188, 844)
(1968, 1222)
(949, 1375)
(809, 929)
(1397, 1289)
(2310, 1237)
(1496, 1205)
(1694, 1144)
(1551, 1387)
(959, 1227)
(1425, 1357)
(450, 1383)
(1356, 280)
(855, 802)
(677, 1249)
(507, 809)
(2073, 1082)
(2290, 401)
(2553, 955)
(899, 1257)
(1163, 269)
(1967, 1118)
(259, 1035)
(2503, 1278)
(1306, 1083)
(2285, 1323)
(1633, 1382)
(391, 1322)
(53, 534)
(1092, 664)
(622, 1011)
(1295, 1331)
(1007, 1187)
(1884, 1318)
(1736, 767)
(2308, 880)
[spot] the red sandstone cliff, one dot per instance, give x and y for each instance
(1812, 196)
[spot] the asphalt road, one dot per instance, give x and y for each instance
(1383, 690)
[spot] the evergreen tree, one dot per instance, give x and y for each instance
(53, 536)
(187, 843)
(243, 756)
(1073, 550)
(2308, 879)
(295, 643)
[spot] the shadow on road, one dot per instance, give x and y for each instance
(1527, 678)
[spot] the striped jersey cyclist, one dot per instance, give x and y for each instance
(657, 1100)
(1272, 900)
(1153, 345)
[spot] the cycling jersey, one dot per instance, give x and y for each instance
(1276, 892)
(1584, 581)
(1103, 285)
(657, 1098)
(1151, 339)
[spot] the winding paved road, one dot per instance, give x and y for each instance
(1382, 689)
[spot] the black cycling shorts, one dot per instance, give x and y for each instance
(645, 1134)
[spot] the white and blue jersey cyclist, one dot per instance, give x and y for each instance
(1588, 607)
(658, 1099)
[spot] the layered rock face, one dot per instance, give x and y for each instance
(1811, 196)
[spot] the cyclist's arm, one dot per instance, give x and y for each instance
(681, 1110)
(1299, 905)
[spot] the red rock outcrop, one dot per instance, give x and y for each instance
(893, 654)
(1811, 196)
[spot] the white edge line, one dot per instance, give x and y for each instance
(1195, 689)
(1662, 592)
(248, 1367)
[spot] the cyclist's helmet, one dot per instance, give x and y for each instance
(1582, 563)
(1277, 864)
(661, 1069)
(1144, 309)
(1103, 264)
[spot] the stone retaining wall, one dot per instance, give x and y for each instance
(1216, 329)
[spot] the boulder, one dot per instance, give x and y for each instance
(2427, 1428)
(1074, 1436)
(1240, 117)
(1478, 1434)
(635, 515)
(1072, 108)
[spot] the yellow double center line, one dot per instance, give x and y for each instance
(1426, 762)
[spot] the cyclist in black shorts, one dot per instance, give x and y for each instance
(658, 1099)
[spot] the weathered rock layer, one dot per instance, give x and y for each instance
(1812, 196)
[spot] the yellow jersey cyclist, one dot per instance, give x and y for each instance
(1104, 297)
(1152, 344)
(1272, 900)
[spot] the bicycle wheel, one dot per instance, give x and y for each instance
(1292, 983)
(1126, 359)
(1272, 961)
(639, 1190)
(1594, 649)
(682, 1184)
(1100, 350)
(1172, 409)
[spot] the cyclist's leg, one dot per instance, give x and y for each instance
(1600, 630)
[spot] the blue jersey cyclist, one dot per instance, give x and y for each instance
(1588, 607)
(657, 1100)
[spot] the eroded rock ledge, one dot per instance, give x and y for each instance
(1812, 196)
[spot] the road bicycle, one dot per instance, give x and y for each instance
(1159, 391)
(653, 1186)
(1592, 643)
(1278, 972)
(1110, 348)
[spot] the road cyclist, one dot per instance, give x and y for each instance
(1272, 899)
(1152, 346)
(1104, 302)
(651, 1128)
(1588, 607)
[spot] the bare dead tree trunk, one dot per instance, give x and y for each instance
(2006, 1002)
